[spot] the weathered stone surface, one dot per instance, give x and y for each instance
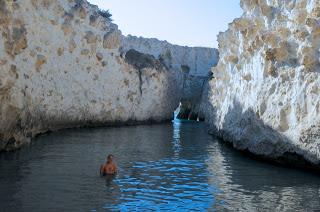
(90, 37)
(267, 100)
(111, 40)
(61, 67)
(190, 66)
(141, 61)
(41, 59)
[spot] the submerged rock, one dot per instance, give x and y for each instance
(265, 93)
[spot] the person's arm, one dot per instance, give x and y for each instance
(115, 168)
(101, 170)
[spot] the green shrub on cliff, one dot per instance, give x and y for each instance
(106, 14)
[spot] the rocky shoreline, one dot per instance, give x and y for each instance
(288, 159)
(11, 147)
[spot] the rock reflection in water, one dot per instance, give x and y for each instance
(248, 185)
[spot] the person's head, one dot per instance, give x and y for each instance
(110, 158)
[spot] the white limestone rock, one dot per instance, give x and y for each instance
(265, 94)
(190, 65)
(62, 65)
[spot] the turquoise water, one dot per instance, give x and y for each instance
(169, 167)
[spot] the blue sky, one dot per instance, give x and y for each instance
(182, 22)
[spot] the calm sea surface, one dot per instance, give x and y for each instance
(170, 167)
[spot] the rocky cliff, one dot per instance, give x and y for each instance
(264, 96)
(191, 67)
(61, 66)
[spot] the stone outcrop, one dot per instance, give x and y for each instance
(61, 66)
(265, 93)
(191, 67)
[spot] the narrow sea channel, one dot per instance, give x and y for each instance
(174, 166)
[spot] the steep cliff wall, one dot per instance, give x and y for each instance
(191, 66)
(265, 94)
(61, 66)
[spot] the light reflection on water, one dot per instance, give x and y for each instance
(164, 184)
(175, 166)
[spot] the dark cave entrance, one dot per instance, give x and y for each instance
(185, 112)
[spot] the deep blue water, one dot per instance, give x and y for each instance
(168, 167)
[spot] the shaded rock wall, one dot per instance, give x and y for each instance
(264, 96)
(190, 65)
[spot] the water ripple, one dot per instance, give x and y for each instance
(174, 184)
(170, 167)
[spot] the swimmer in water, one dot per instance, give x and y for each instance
(109, 167)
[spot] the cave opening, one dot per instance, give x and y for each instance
(185, 112)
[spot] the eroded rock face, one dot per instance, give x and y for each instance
(190, 67)
(61, 67)
(265, 94)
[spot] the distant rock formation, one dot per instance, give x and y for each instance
(265, 93)
(191, 67)
(61, 66)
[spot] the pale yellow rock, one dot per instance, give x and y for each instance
(111, 40)
(41, 59)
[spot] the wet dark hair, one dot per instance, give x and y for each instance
(110, 157)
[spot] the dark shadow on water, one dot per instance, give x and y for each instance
(246, 132)
(252, 185)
